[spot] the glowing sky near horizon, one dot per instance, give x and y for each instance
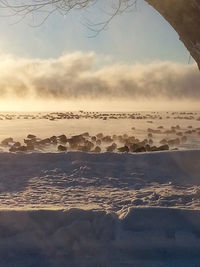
(138, 49)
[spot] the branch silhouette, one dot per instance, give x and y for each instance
(45, 8)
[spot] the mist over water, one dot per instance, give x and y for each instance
(74, 81)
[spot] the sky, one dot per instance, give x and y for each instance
(140, 35)
(62, 60)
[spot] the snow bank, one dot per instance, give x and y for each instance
(99, 181)
(177, 166)
(93, 210)
(96, 238)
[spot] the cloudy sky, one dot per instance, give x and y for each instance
(138, 57)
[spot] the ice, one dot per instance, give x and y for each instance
(79, 209)
(134, 124)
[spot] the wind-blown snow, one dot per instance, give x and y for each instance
(106, 181)
(80, 209)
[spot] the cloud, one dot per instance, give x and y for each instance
(76, 76)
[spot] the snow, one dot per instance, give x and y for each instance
(107, 181)
(142, 237)
(108, 209)
(80, 209)
(20, 125)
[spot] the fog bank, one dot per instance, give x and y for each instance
(76, 76)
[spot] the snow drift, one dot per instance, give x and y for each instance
(78, 209)
(95, 238)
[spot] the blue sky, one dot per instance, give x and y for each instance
(138, 63)
(138, 36)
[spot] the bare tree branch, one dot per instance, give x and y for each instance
(46, 8)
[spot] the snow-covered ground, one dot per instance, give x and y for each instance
(106, 181)
(82, 209)
(45, 125)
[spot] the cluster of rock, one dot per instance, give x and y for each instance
(149, 116)
(85, 143)
(173, 137)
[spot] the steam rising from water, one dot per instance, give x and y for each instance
(75, 77)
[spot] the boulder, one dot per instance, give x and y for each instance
(16, 144)
(30, 147)
(6, 141)
(111, 148)
(133, 147)
(22, 148)
(62, 138)
(31, 136)
(44, 141)
(62, 148)
(163, 147)
(13, 149)
(140, 149)
(97, 149)
(107, 139)
(123, 149)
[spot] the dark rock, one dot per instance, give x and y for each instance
(140, 149)
(134, 147)
(123, 149)
(76, 139)
(62, 138)
(13, 149)
(22, 148)
(31, 136)
(28, 141)
(17, 144)
(163, 147)
(30, 147)
(93, 138)
(89, 145)
(97, 149)
(147, 147)
(6, 141)
(62, 148)
(154, 148)
(86, 134)
(53, 138)
(44, 141)
(99, 135)
(111, 148)
(107, 139)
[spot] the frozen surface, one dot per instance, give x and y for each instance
(44, 125)
(81, 209)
